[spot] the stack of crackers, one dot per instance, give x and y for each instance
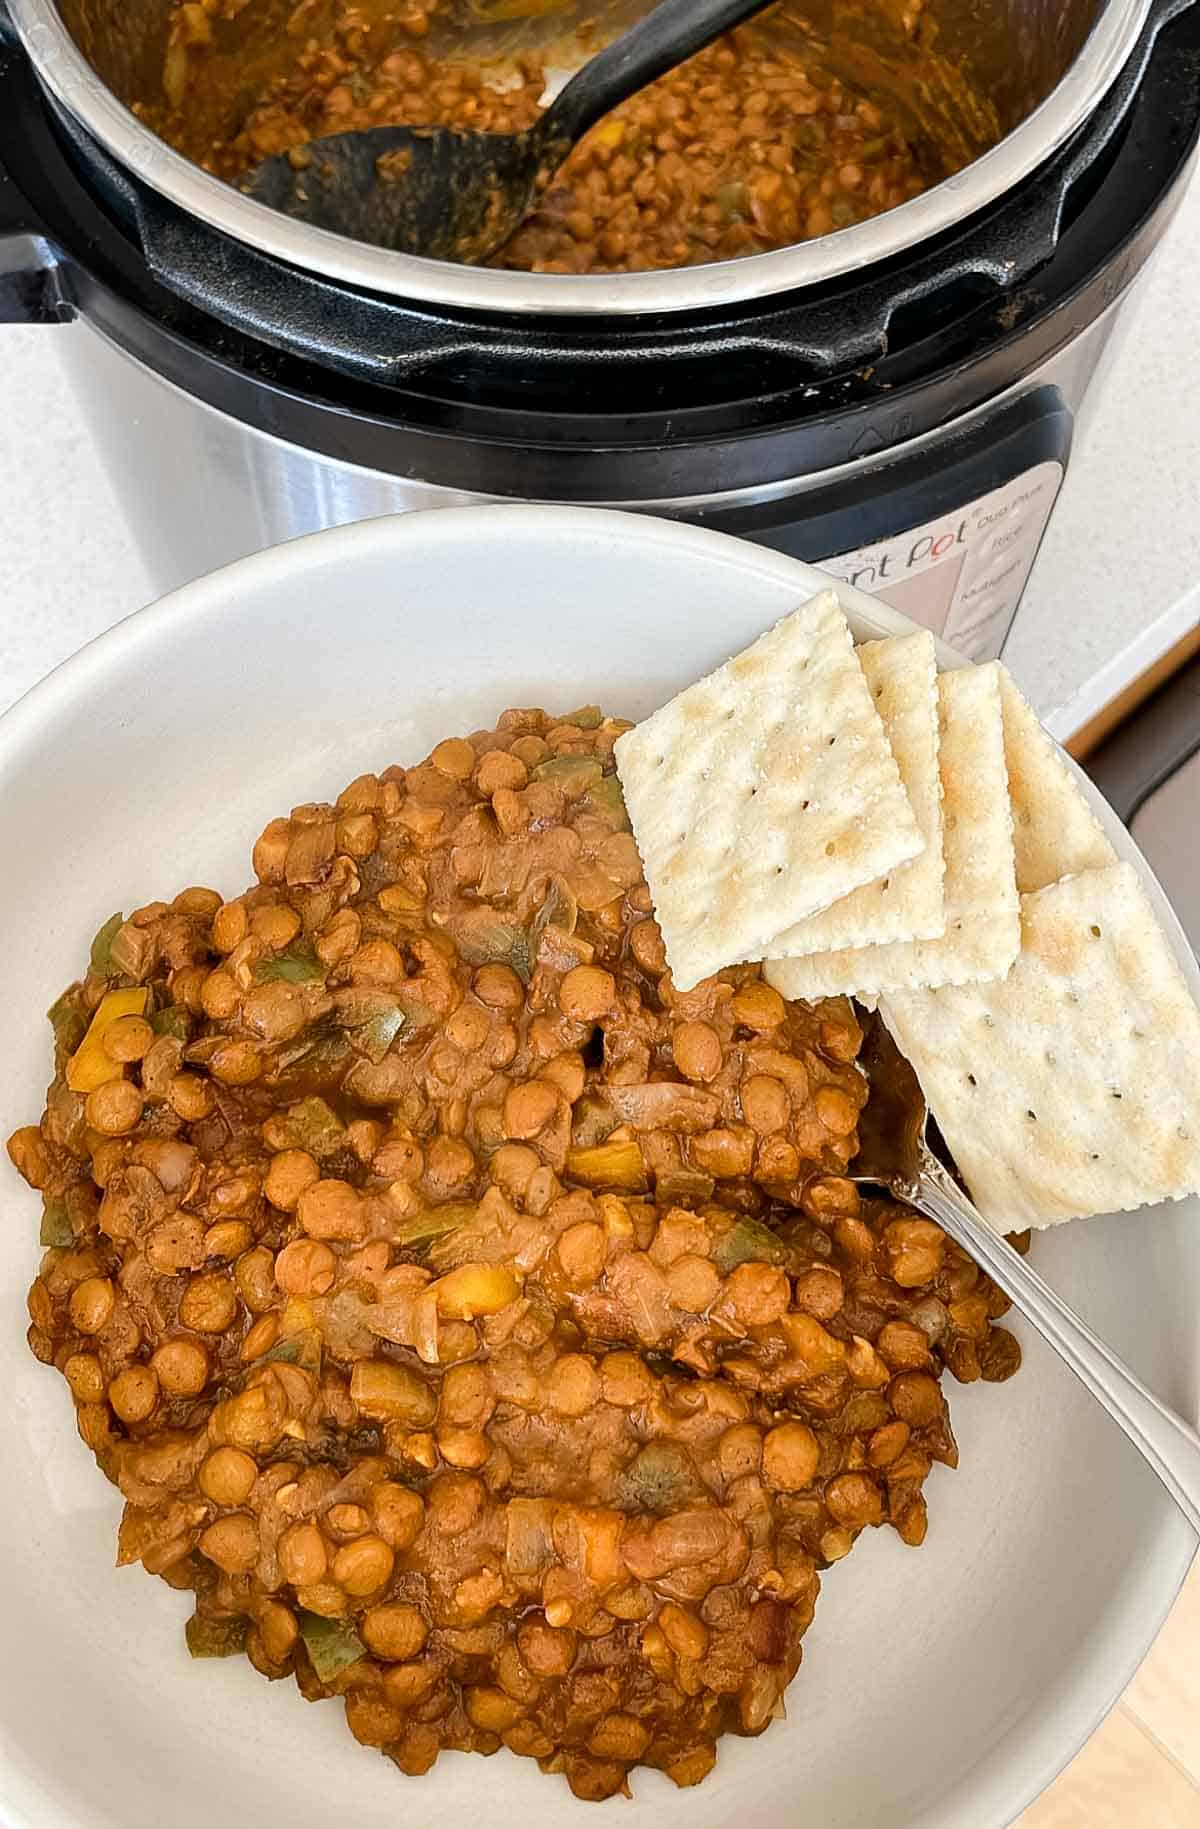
(872, 828)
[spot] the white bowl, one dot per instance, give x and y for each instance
(940, 1687)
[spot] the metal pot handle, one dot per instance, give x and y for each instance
(29, 264)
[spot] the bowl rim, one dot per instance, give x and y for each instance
(1016, 1785)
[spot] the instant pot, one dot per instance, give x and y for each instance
(897, 401)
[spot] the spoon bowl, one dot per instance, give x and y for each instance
(436, 191)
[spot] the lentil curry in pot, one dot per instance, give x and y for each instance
(485, 1332)
(743, 148)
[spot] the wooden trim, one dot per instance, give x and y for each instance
(1092, 734)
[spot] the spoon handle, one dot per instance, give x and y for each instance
(1170, 1446)
(673, 31)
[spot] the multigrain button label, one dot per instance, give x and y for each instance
(962, 575)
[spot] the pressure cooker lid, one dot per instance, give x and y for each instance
(1041, 69)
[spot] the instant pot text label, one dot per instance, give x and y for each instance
(962, 575)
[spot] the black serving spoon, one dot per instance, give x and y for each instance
(456, 195)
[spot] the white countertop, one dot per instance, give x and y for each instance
(1116, 585)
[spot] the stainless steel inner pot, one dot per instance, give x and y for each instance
(1024, 74)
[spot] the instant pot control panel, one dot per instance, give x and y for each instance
(948, 533)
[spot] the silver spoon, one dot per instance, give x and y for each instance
(894, 1154)
(456, 195)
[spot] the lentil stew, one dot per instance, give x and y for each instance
(483, 1331)
(739, 150)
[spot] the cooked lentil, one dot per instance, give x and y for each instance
(737, 151)
(502, 1346)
